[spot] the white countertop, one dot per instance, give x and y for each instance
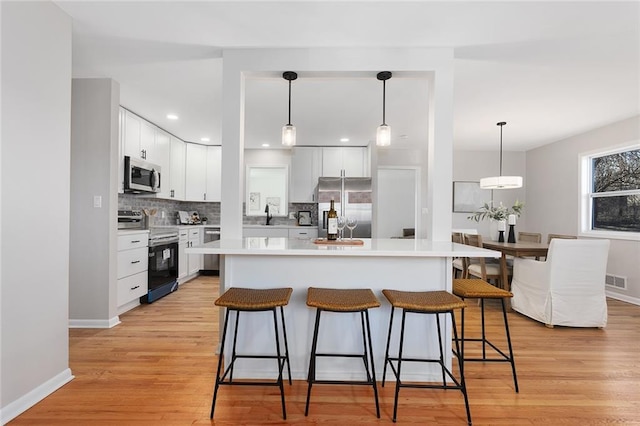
(271, 246)
(277, 226)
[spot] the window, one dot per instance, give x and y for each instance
(611, 193)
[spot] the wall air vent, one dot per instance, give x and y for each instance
(616, 281)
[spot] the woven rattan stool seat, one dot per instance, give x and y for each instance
(341, 300)
(424, 301)
(476, 288)
(254, 299)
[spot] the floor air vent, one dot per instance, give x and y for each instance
(616, 281)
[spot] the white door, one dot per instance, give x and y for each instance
(397, 200)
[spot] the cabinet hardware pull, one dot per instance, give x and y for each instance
(133, 288)
(135, 261)
(135, 241)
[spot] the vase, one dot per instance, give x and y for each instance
(493, 230)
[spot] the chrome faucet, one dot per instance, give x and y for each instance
(266, 210)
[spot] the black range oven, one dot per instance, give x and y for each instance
(163, 264)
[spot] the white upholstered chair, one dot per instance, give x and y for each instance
(567, 289)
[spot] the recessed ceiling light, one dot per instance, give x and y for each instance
(344, 139)
(205, 139)
(172, 116)
(265, 145)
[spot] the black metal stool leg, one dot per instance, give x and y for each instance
(286, 344)
(312, 361)
(506, 328)
(373, 367)
(386, 353)
(444, 379)
(220, 356)
(398, 382)
(463, 385)
(365, 354)
(280, 363)
(484, 334)
(233, 351)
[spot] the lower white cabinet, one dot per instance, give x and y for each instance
(303, 232)
(133, 263)
(189, 265)
(265, 231)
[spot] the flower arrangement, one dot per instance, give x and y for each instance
(498, 213)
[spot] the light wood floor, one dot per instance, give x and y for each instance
(157, 368)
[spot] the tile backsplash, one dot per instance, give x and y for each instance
(167, 210)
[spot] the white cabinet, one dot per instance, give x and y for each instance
(132, 125)
(214, 173)
(195, 260)
(144, 140)
(177, 169)
(350, 159)
(162, 156)
(121, 120)
(183, 260)
(189, 265)
(264, 231)
(196, 172)
(133, 261)
(303, 232)
(306, 168)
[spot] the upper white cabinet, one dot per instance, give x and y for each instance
(132, 125)
(196, 173)
(214, 174)
(306, 168)
(176, 170)
(162, 157)
(350, 159)
(121, 119)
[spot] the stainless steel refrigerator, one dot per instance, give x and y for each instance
(352, 197)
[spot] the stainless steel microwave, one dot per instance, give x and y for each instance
(140, 176)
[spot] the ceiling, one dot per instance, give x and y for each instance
(549, 69)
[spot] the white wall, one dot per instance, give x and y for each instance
(94, 167)
(553, 194)
(474, 165)
(36, 106)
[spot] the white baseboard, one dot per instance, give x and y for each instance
(623, 297)
(76, 323)
(22, 404)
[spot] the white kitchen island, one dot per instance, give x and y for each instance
(403, 264)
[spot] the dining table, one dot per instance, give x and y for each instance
(517, 249)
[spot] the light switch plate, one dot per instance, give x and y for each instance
(97, 201)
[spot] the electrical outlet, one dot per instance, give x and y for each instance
(97, 201)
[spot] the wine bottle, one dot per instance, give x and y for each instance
(332, 223)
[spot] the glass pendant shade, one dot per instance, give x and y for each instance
(289, 135)
(383, 135)
(501, 182)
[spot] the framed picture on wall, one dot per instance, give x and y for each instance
(468, 197)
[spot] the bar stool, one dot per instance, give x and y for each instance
(343, 300)
(479, 289)
(253, 300)
(424, 302)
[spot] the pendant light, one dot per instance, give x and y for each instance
(383, 134)
(501, 182)
(289, 130)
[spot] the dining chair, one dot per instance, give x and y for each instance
(459, 263)
(532, 237)
(480, 268)
(566, 237)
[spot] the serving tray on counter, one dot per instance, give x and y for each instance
(324, 241)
